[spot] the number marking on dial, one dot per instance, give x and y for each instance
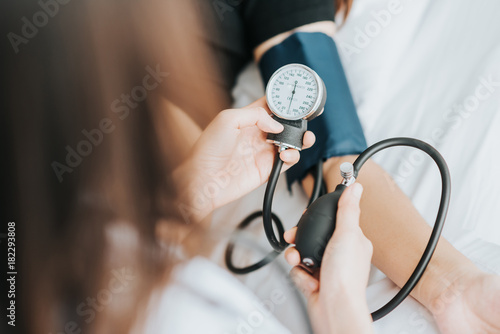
(294, 92)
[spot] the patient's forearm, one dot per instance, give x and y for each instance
(399, 234)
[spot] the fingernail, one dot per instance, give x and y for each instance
(357, 190)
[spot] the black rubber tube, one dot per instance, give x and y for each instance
(440, 219)
(256, 266)
(318, 182)
(279, 244)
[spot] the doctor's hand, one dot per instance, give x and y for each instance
(336, 294)
(230, 159)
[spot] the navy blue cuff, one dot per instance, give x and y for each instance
(338, 130)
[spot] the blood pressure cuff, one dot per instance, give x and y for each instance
(338, 130)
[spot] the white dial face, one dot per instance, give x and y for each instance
(294, 91)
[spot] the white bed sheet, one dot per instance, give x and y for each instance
(432, 71)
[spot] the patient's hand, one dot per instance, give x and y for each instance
(230, 159)
(337, 301)
(470, 305)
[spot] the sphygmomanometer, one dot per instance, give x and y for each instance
(296, 94)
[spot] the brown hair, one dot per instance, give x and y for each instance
(89, 181)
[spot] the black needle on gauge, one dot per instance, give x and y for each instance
(293, 93)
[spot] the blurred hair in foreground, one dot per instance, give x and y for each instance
(80, 229)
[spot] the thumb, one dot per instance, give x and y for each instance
(348, 209)
(306, 283)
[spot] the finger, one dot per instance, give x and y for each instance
(290, 156)
(292, 256)
(290, 235)
(304, 281)
(243, 118)
(309, 140)
(348, 210)
(262, 103)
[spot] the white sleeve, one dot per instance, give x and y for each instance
(203, 298)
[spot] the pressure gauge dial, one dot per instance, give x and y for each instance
(296, 92)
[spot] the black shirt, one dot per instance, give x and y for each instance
(238, 26)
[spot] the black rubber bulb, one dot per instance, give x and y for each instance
(316, 227)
